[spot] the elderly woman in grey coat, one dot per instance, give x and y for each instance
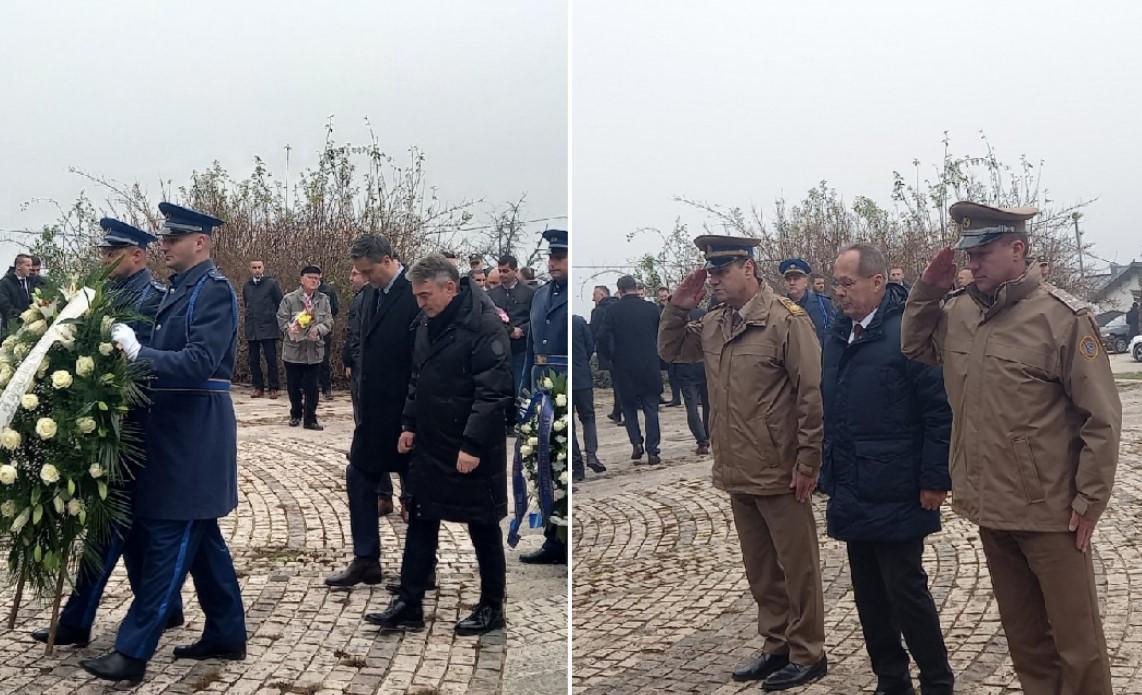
(304, 319)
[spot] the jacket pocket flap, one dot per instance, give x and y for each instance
(957, 345)
(1022, 354)
(755, 350)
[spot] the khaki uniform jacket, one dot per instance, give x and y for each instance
(1036, 414)
(303, 349)
(765, 389)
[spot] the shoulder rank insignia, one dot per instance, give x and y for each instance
(1088, 347)
(792, 306)
(1072, 302)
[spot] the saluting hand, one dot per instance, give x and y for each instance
(1083, 530)
(690, 292)
(941, 270)
(802, 485)
(466, 463)
(406, 442)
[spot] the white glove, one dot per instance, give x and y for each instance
(124, 335)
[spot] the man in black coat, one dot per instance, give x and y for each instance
(631, 329)
(388, 312)
(454, 418)
(325, 376)
(885, 469)
(603, 301)
(514, 297)
(583, 400)
(261, 296)
(16, 289)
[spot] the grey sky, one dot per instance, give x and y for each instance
(740, 103)
(147, 91)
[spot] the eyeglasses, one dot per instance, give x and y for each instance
(847, 283)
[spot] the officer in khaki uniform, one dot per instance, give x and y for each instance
(763, 368)
(1034, 440)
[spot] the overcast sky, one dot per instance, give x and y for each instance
(146, 91)
(740, 103)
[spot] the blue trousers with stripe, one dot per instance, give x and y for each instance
(168, 550)
(79, 611)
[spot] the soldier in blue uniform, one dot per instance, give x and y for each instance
(547, 351)
(125, 248)
(796, 273)
(191, 476)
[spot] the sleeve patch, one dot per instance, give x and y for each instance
(1088, 347)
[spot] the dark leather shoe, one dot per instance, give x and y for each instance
(653, 459)
(274, 394)
(904, 689)
(258, 393)
(578, 476)
(617, 419)
(358, 572)
(546, 555)
(636, 452)
(794, 675)
(313, 426)
(385, 506)
(398, 616)
(116, 667)
(672, 404)
(759, 668)
(200, 651)
(394, 587)
(595, 464)
(174, 620)
(294, 421)
(484, 619)
(65, 636)
(702, 450)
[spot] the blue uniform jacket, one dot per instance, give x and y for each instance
(820, 309)
(142, 294)
(191, 440)
(548, 335)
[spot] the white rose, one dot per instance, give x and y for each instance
(49, 474)
(8, 509)
(67, 331)
(21, 521)
(74, 507)
(524, 450)
(57, 504)
(106, 349)
(108, 321)
(46, 428)
(563, 477)
(8, 474)
(10, 439)
(86, 425)
(84, 366)
(61, 379)
(548, 383)
(525, 427)
(95, 471)
(20, 351)
(5, 375)
(561, 456)
(8, 342)
(559, 426)
(30, 401)
(30, 314)
(560, 494)
(533, 442)
(36, 328)
(561, 401)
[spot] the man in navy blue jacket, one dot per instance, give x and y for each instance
(885, 469)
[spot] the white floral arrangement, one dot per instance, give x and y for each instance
(66, 391)
(555, 386)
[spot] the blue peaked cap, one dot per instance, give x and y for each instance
(119, 234)
(795, 265)
(180, 220)
(556, 238)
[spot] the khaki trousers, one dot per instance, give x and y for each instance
(782, 563)
(1049, 608)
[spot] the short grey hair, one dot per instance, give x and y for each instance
(434, 268)
(372, 246)
(870, 261)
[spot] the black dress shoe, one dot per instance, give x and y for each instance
(595, 464)
(615, 418)
(636, 452)
(484, 619)
(547, 555)
(903, 689)
(294, 421)
(174, 620)
(578, 476)
(760, 667)
(116, 667)
(200, 651)
(398, 616)
(702, 450)
(313, 426)
(65, 636)
(358, 572)
(654, 459)
(672, 404)
(794, 675)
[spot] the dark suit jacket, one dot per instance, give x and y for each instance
(582, 346)
(385, 365)
(517, 303)
(630, 327)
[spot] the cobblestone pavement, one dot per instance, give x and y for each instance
(661, 602)
(290, 530)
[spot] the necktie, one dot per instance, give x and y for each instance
(735, 321)
(380, 300)
(857, 331)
